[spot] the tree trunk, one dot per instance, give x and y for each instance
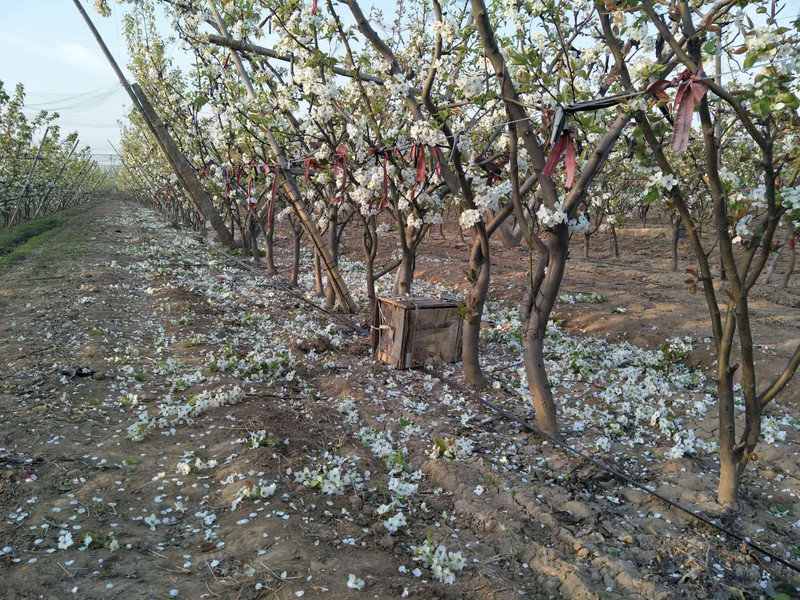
(614, 242)
(269, 244)
(776, 257)
(790, 268)
(586, 237)
(333, 248)
(369, 241)
(728, 461)
(297, 233)
(537, 306)
(405, 274)
(676, 234)
(476, 300)
(253, 235)
(510, 236)
(318, 283)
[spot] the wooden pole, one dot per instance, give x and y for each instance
(91, 188)
(141, 178)
(289, 183)
(77, 186)
(184, 171)
(57, 178)
(30, 176)
(186, 175)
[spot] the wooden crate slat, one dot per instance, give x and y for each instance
(412, 332)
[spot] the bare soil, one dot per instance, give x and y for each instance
(112, 293)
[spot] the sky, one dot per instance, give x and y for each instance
(46, 46)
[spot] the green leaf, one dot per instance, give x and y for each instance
(199, 102)
(651, 195)
(789, 99)
(750, 59)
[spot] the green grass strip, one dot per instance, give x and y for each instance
(11, 238)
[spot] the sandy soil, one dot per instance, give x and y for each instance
(156, 322)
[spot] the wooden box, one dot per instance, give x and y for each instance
(412, 332)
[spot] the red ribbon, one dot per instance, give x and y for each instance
(383, 153)
(566, 147)
(314, 7)
(417, 157)
(340, 164)
(435, 152)
(311, 163)
(493, 170)
(691, 90)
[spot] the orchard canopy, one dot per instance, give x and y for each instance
(41, 170)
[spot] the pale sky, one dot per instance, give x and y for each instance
(45, 45)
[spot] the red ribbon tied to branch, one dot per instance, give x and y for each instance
(417, 157)
(564, 146)
(312, 163)
(561, 144)
(691, 90)
(494, 170)
(379, 153)
(340, 164)
(438, 161)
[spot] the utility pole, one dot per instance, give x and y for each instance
(180, 166)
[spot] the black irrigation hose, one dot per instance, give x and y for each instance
(530, 427)
(604, 467)
(274, 281)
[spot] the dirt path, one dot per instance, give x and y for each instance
(171, 427)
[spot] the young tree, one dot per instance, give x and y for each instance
(762, 112)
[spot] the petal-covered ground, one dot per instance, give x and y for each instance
(173, 426)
